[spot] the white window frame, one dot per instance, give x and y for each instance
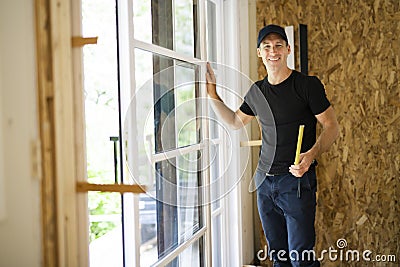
(127, 47)
(240, 48)
(221, 141)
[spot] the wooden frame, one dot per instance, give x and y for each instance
(46, 128)
(56, 126)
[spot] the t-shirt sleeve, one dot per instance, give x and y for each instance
(316, 95)
(245, 108)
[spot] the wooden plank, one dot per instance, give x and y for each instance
(79, 41)
(64, 125)
(81, 172)
(46, 130)
(80, 140)
(119, 188)
(250, 143)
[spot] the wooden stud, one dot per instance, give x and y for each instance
(44, 50)
(79, 41)
(119, 188)
(250, 143)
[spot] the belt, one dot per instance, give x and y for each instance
(313, 164)
(276, 174)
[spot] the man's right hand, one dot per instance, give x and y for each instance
(211, 82)
(235, 120)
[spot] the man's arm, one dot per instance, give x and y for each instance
(235, 120)
(330, 132)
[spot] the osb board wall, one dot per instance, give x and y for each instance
(354, 48)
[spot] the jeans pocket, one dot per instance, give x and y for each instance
(258, 181)
(311, 180)
(305, 182)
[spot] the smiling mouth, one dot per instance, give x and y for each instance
(274, 59)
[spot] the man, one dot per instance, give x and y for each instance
(286, 204)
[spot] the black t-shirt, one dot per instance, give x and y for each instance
(281, 108)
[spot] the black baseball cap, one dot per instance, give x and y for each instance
(272, 28)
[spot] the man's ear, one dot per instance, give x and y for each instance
(289, 49)
(258, 52)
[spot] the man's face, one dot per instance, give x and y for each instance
(274, 52)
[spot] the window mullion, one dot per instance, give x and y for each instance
(165, 155)
(164, 52)
(201, 5)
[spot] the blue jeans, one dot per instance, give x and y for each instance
(288, 217)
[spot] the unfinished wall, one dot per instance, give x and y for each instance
(354, 47)
(20, 231)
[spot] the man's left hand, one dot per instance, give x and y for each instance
(305, 162)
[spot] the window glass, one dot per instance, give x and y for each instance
(178, 197)
(142, 20)
(164, 107)
(164, 103)
(191, 256)
(148, 229)
(215, 176)
(184, 27)
(189, 182)
(211, 31)
(167, 23)
(186, 103)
